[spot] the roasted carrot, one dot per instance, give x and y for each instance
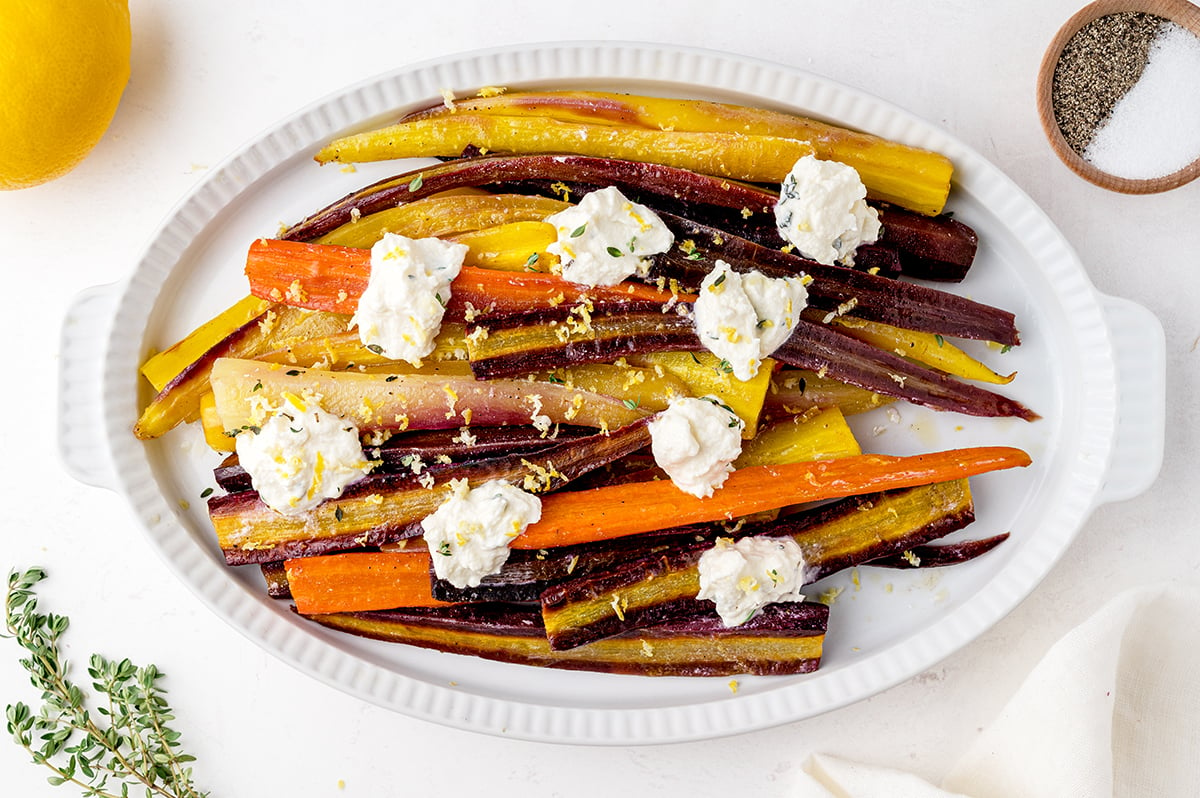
(356, 581)
(167, 364)
(179, 399)
(511, 247)
(739, 156)
(911, 177)
(629, 509)
(929, 349)
(442, 216)
(332, 278)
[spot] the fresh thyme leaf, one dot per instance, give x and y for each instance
(416, 183)
(532, 259)
(712, 400)
(204, 494)
(940, 340)
(614, 252)
(578, 231)
(127, 746)
(376, 348)
(632, 404)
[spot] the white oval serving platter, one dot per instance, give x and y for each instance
(1091, 365)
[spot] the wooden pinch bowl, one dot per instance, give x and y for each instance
(1182, 13)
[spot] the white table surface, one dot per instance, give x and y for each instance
(206, 80)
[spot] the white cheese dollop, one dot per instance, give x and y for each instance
(469, 534)
(696, 441)
(606, 238)
(742, 318)
(301, 456)
(743, 577)
(822, 211)
(400, 312)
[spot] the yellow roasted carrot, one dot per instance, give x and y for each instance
(441, 216)
(166, 365)
(640, 387)
(749, 157)
(819, 434)
(794, 391)
(214, 430)
(914, 178)
(512, 247)
(179, 400)
(705, 374)
(928, 348)
(345, 350)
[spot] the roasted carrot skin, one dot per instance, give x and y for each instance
(752, 157)
(371, 580)
(332, 278)
(912, 306)
(915, 178)
(834, 536)
(382, 508)
(628, 509)
(680, 184)
(783, 639)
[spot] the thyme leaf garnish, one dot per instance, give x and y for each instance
(128, 744)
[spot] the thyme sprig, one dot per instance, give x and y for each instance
(128, 744)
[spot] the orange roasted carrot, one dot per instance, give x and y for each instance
(332, 278)
(359, 581)
(631, 508)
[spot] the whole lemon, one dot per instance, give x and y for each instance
(63, 66)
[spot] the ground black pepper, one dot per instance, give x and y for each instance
(1098, 65)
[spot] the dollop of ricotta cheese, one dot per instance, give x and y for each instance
(696, 441)
(469, 534)
(301, 456)
(743, 577)
(606, 238)
(823, 212)
(742, 318)
(400, 312)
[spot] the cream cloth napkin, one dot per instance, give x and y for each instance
(1112, 709)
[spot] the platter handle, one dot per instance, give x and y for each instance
(82, 445)
(1139, 350)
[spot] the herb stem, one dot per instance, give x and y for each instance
(137, 747)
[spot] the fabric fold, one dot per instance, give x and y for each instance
(1113, 708)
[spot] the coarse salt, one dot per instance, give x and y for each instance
(1154, 129)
